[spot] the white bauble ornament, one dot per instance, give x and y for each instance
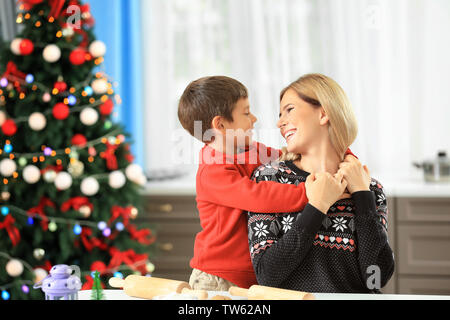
(89, 116)
(2, 117)
(38, 253)
(133, 172)
(68, 32)
(63, 181)
(7, 167)
(142, 180)
(50, 176)
(99, 86)
(46, 97)
(76, 168)
(37, 121)
(31, 174)
(150, 267)
(5, 195)
(85, 211)
(39, 274)
(51, 53)
(15, 46)
(117, 179)
(97, 49)
(14, 267)
(89, 186)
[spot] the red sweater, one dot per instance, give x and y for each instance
(224, 193)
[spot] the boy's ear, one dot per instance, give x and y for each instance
(217, 123)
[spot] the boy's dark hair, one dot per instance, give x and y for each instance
(207, 97)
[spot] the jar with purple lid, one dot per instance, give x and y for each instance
(61, 283)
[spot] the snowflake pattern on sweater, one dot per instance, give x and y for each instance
(338, 231)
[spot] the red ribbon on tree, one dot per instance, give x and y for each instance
(46, 266)
(88, 284)
(129, 156)
(76, 203)
(124, 212)
(55, 6)
(57, 168)
(129, 257)
(142, 236)
(39, 210)
(86, 19)
(15, 75)
(109, 156)
(29, 4)
(92, 242)
(12, 230)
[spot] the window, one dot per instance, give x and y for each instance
(388, 55)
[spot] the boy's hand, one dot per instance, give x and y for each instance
(323, 189)
(357, 175)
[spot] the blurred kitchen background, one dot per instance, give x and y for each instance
(390, 56)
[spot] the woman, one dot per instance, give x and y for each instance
(336, 243)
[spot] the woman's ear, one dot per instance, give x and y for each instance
(323, 117)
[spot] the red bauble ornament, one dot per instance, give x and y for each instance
(26, 47)
(79, 140)
(61, 86)
(9, 127)
(77, 56)
(98, 266)
(107, 107)
(60, 111)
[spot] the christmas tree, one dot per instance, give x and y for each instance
(69, 188)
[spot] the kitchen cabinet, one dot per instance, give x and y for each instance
(176, 221)
(419, 234)
(422, 236)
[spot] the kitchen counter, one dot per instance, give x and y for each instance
(394, 187)
(120, 295)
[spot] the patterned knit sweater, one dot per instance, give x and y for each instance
(345, 251)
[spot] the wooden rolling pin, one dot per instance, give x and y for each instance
(150, 287)
(256, 292)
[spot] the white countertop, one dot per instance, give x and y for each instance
(120, 295)
(394, 187)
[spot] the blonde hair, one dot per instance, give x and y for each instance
(322, 91)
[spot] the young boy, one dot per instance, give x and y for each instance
(216, 111)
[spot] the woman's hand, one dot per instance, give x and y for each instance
(323, 189)
(356, 175)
